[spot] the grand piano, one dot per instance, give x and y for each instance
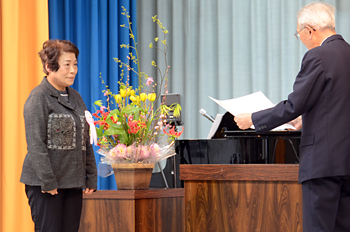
(230, 145)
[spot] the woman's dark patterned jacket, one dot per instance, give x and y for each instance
(59, 153)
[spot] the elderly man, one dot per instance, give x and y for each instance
(321, 94)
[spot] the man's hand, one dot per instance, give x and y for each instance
(88, 191)
(52, 192)
(244, 121)
(297, 123)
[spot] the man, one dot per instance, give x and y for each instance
(321, 94)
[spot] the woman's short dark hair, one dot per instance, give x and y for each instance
(52, 50)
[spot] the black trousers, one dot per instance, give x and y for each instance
(55, 213)
(326, 204)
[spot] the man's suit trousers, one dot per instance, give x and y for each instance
(326, 204)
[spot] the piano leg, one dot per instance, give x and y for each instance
(173, 171)
(265, 150)
(164, 179)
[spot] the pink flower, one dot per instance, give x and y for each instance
(149, 81)
(143, 152)
(130, 150)
(118, 152)
(155, 149)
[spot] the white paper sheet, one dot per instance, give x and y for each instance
(215, 125)
(249, 104)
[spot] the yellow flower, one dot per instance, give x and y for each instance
(123, 92)
(156, 39)
(154, 63)
(150, 45)
(143, 97)
(128, 92)
(132, 92)
(152, 97)
(118, 98)
(135, 99)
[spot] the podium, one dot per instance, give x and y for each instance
(242, 197)
(155, 210)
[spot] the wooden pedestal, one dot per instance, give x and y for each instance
(242, 198)
(133, 210)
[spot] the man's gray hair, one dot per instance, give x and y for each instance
(317, 15)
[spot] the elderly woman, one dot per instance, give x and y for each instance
(60, 162)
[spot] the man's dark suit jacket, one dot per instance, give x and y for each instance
(321, 94)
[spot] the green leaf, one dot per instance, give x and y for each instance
(137, 115)
(115, 113)
(129, 109)
(124, 139)
(177, 110)
(98, 103)
(99, 131)
(113, 131)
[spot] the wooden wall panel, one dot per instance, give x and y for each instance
(105, 215)
(242, 198)
(263, 172)
(227, 206)
(160, 215)
(156, 210)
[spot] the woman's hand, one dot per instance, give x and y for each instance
(88, 191)
(52, 192)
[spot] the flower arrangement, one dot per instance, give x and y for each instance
(130, 128)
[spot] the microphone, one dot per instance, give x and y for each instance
(204, 113)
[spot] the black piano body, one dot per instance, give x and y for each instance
(230, 145)
(242, 148)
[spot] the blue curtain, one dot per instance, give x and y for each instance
(94, 27)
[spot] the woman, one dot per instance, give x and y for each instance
(60, 161)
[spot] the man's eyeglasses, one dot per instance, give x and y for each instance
(296, 34)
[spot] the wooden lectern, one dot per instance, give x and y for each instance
(242, 198)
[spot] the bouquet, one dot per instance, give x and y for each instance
(130, 128)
